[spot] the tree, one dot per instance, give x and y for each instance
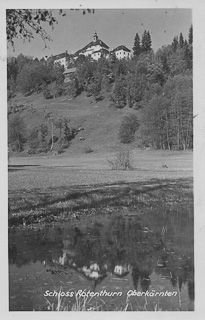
(162, 55)
(137, 45)
(120, 68)
(33, 75)
(85, 73)
(24, 23)
(33, 140)
(146, 42)
(22, 60)
(12, 71)
(43, 134)
(167, 119)
(17, 132)
(95, 85)
(119, 94)
(59, 125)
(175, 43)
(190, 35)
(155, 73)
(176, 62)
(153, 128)
(50, 120)
(128, 127)
(181, 40)
(68, 134)
(188, 54)
(179, 91)
(136, 88)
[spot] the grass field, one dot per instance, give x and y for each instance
(90, 169)
(54, 186)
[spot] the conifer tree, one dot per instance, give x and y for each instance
(175, 43)
(137, 45)
(181, 40)
(191, 35)
(146, 42)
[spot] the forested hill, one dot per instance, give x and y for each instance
(146, 100)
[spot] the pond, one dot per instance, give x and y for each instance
(141, 261)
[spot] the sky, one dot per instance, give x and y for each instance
(114, 27)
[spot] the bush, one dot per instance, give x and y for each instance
(58, 91)
(47, 94)
(121, 161)
(128, 127)
(65, 145)
(43, 149)
(88, 150)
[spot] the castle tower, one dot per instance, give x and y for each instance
(95, 37)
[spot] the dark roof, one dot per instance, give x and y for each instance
(71, 70)
(101, 50)
(61, 55)
(93, 43)
(121, 48)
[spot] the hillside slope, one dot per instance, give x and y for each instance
(100, 122)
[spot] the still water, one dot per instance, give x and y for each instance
(117, 261)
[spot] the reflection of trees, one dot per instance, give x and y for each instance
(142, 277)
(180, 270)
(121, 246)
(27, 246)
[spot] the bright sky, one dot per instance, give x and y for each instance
(113, 26)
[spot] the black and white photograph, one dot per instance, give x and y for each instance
(100, 148)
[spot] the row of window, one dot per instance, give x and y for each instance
(121, 53)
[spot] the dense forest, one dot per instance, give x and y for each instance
(156, 85)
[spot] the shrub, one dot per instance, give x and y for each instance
(121, 161)
(65, 145)
(47, 94)
(128, 127)
(88, 150)
(58, 91)
(43, 149)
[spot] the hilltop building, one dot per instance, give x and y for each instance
(121, 52)
(62, 58)
(95, 49)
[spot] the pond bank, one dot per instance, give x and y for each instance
(78, 202)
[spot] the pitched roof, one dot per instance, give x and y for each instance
(93, 43)
(101, 50)
(122, 47)
(60, 55)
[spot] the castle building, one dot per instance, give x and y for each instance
(62, 58)
(95, 49)
(121, 52)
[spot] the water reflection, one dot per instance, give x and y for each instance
(117, 247)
